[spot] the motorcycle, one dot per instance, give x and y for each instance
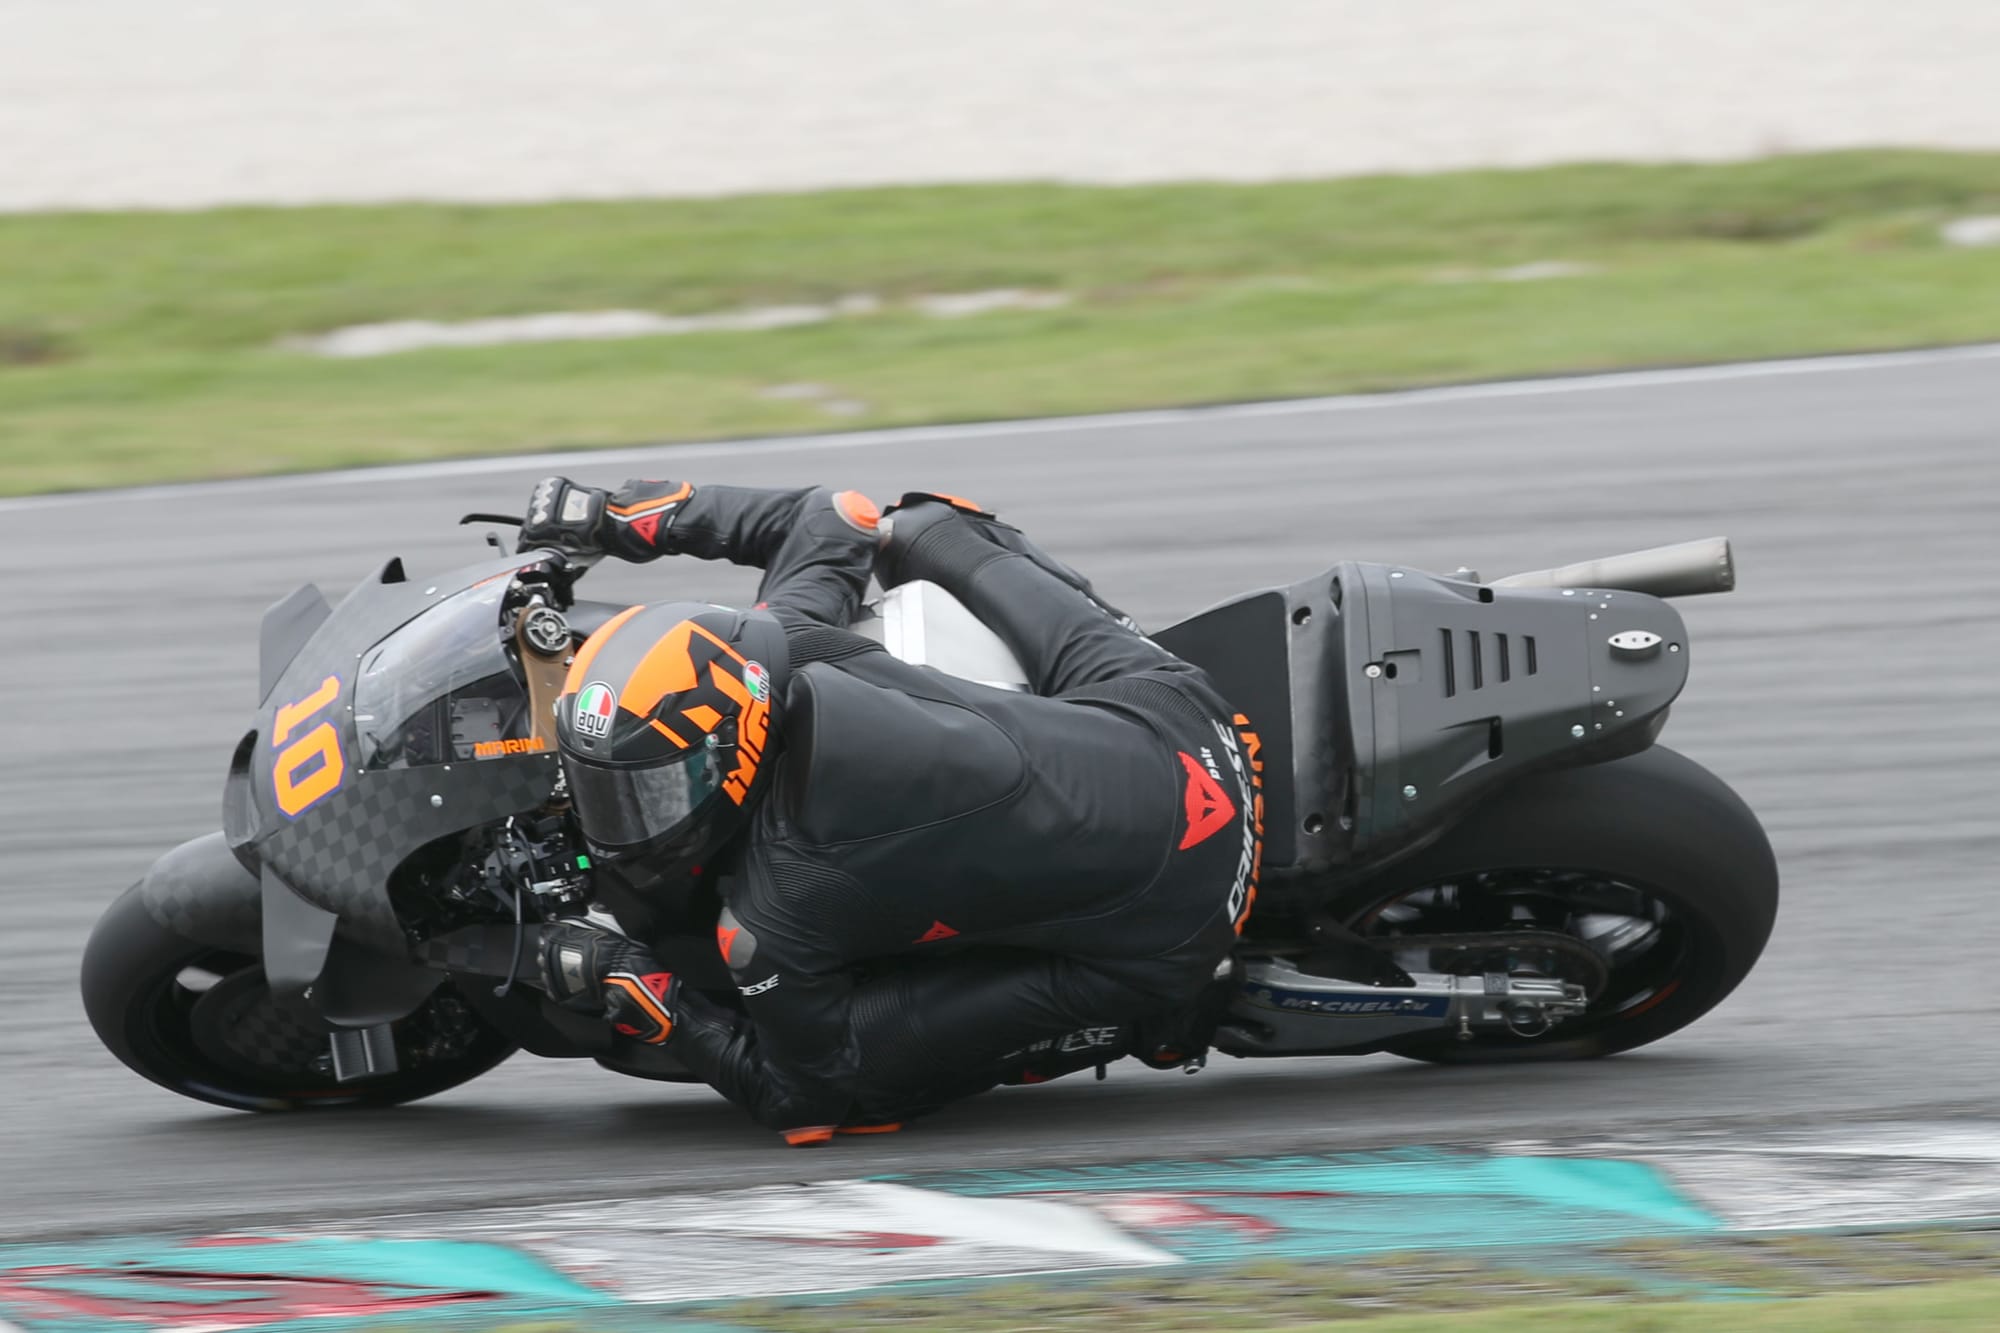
(1473, 850)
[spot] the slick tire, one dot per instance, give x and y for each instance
(163, 1003)
(1658, 824)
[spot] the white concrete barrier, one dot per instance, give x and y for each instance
(136, 102)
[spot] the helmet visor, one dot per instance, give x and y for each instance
(630, 808)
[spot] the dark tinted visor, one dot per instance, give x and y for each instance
(631, 807)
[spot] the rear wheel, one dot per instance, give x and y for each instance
(1651, 861)
(200, 1021)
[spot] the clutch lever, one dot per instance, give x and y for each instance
(567, 566)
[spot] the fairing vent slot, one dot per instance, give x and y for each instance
(1476, 659)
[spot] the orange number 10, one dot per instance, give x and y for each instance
(296, 780)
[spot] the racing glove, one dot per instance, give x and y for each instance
(589, 969)
(629, 522)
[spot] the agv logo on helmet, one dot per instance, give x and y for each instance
(594, 707)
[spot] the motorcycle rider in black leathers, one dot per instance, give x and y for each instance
(929, 886)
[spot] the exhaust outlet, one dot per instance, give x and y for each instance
(1682, 570)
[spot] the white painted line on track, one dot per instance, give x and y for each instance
(835, 1235)
(986, 430)
(1884, 1174)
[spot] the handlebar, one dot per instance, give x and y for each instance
(576, 562)
(1685, 570)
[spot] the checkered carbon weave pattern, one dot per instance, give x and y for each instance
(487, 950)
(339, 854)
(201, 892)
(268, 1037)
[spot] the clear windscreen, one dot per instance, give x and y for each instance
(443, 688)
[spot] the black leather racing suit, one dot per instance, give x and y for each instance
(945, 874)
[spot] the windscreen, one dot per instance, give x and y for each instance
(442, 689)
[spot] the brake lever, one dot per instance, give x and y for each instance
(578, 561)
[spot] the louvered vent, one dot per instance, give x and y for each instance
(1479, 657)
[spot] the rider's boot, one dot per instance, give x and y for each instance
(956, 534)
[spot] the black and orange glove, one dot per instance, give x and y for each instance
(589, 969)
(630, 522)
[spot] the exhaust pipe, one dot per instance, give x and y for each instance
(1683, 570)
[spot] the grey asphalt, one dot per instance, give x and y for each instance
(1847, 690)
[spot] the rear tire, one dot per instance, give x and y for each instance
(197, 1020)
(1652, 826)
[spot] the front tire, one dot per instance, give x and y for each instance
(198, 1020)
(1654, 845)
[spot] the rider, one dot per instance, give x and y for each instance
(929, 886)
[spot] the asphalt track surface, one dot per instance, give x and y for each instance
(1847, 690)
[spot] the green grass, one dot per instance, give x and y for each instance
(1960, 1305)
(141, 347)
(1946, 1305)
(1905, 1279)
(1911, 1279)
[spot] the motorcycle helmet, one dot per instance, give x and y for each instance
(664, 727)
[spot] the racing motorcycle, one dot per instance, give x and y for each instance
(1473, 850)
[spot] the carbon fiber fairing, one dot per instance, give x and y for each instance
(301, 804)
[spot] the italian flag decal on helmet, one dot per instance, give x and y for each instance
(594, 705)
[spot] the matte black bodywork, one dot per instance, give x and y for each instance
(1390, 700)
(199, 890)
(332, 945)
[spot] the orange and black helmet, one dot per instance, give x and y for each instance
(665, 725)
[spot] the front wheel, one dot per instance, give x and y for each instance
(1651, 860)
(200, 1021)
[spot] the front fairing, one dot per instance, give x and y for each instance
(325, 809)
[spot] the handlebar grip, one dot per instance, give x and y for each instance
(1682, 570)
